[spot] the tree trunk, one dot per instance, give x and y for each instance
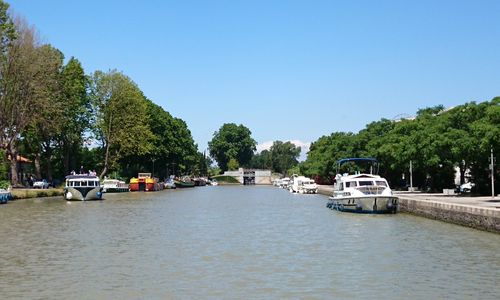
(49, 164)
(108, 144)
(106, 158)
(14, 180)
(66, 154)
(38, 169)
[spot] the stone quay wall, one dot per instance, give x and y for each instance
(480, 213)
(466, 215)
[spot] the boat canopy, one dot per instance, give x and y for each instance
(373, 162)
(357, 159)
(81, 177)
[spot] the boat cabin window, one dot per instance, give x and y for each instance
(76, 183)
(381, 183)
(364, 183)
(350, 184)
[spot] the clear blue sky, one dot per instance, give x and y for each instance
(285, 69)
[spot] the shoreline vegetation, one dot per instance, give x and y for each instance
(104, 121)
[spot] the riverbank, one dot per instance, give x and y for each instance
(34, 193)
(477, 212)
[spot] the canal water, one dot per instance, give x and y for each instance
(235, 242)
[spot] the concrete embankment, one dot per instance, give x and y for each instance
(477, 212)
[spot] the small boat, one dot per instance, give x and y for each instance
(169, 183)
(362, 192)
(114, 186)
(284, 183)
(5, 196)
(302, 185)
(82, 188)
(184, 182)
(214, 182)
(144, 182)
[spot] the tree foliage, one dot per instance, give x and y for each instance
(280, 158)
(436, 142)
(232, 141)
(120, 124)
(76, 113)
(20, 86)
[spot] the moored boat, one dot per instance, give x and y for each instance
(114, 186)
(5, 196)
(82, 188)
(284, 183)
(144, 182)
(184, 182)
(362, 192)
(169, 183)
(302, 185)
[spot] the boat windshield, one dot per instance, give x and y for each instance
(365, 183)
(83, 183)
(350, 184)
(381, 183)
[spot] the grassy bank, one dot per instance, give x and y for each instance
(221, 179)
(32, 193)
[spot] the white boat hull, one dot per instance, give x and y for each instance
(375, 204)
(82, 194)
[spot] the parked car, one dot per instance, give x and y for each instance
(466, 187)
(41, 184)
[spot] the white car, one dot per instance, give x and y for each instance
(41, 184)
(467, 187)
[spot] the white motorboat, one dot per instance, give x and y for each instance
(362, 192)
(82, 188)
(284, 183)
(302, 185)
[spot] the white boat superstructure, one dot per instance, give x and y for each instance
(362, 193)
(114, 186)
(302, 185)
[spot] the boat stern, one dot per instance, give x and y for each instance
(369, 205)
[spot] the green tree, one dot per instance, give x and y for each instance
(284, 155)
(233, 165)
(19, 69)
(76, 114)
(173, 148)
(39, 137)
(121, 122)
(232, 141)
(262, 160)
(326, 151)
(7, 31)
(486, 131)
